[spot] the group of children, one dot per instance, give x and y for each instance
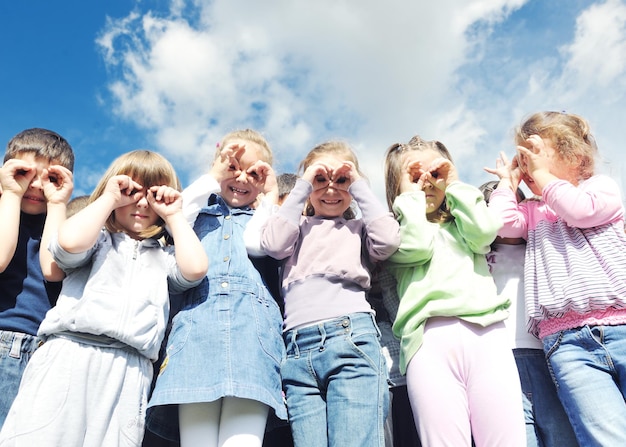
(255, 304)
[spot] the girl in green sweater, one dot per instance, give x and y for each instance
(461, 375)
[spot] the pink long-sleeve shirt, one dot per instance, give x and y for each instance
(575, 271)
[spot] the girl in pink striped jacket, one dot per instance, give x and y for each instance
(575, 269)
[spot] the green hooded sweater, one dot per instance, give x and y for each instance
(440, 268)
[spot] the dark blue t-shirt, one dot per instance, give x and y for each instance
(25, 296)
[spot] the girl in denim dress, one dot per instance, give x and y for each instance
(334, 376)
(221, 374)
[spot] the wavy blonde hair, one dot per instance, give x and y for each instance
(146, 168)
(570, 135)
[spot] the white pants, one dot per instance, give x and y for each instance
(75, 394)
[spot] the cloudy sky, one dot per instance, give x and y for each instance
(176, 75)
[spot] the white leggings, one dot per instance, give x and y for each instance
(228, 422)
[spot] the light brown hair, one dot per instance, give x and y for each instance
(146, 168)
(394, 164)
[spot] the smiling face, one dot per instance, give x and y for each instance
(434, 196)
(135, 217)
(239, 191)
(331, 200)
(34, 202)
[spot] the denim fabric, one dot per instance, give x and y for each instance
(15, 352)
(588, 366)
(547, 424)
(335, 381)
(226, 340)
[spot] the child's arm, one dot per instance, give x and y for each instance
(417, 235)
(595, 202)
(263, 177)
(58, 185)
(15, 176)
(80, 232)
(196, 196)
(280, 234)
(190, 255)
(476, 224)
(503, 200)
(382, 231)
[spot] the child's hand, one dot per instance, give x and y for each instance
(123, 190)
(441, 173)
(505, 168)
(261, 175)
(58, 184)
(534, 159)
(410, 176)
(16, 175)
(227, 165)
(164, 200)
(343, 176)
(319, 175)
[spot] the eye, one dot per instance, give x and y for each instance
(53, 179)
(341, 180)
(320, 179)
(21, 172)
(232, 168)
(435, 174)
(254, 175)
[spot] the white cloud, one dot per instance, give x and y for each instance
(368, 72)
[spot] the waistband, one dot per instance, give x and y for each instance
(18, 343)
(572, 320)
(317, 334)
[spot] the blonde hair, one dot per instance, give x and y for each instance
(337, 149)
(394, 164)
(146, 168)
(570, 135)
(247, 135)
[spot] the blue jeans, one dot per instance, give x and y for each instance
(15, 352)
(335, 381)
(588, 366)
(547, 424)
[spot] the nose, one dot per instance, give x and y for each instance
(242, 177)
(143, 202)
(36, 181)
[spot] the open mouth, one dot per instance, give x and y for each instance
(238, 191)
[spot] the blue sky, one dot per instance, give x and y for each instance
(174, 76)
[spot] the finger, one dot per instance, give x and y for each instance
(536, 143)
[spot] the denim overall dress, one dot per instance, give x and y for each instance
(227, 338)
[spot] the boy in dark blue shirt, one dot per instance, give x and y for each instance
(36, 183)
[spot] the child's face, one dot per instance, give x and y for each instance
(239, 191)
(434, 196)
(34, 201)
(136, 217)
(331, 200)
